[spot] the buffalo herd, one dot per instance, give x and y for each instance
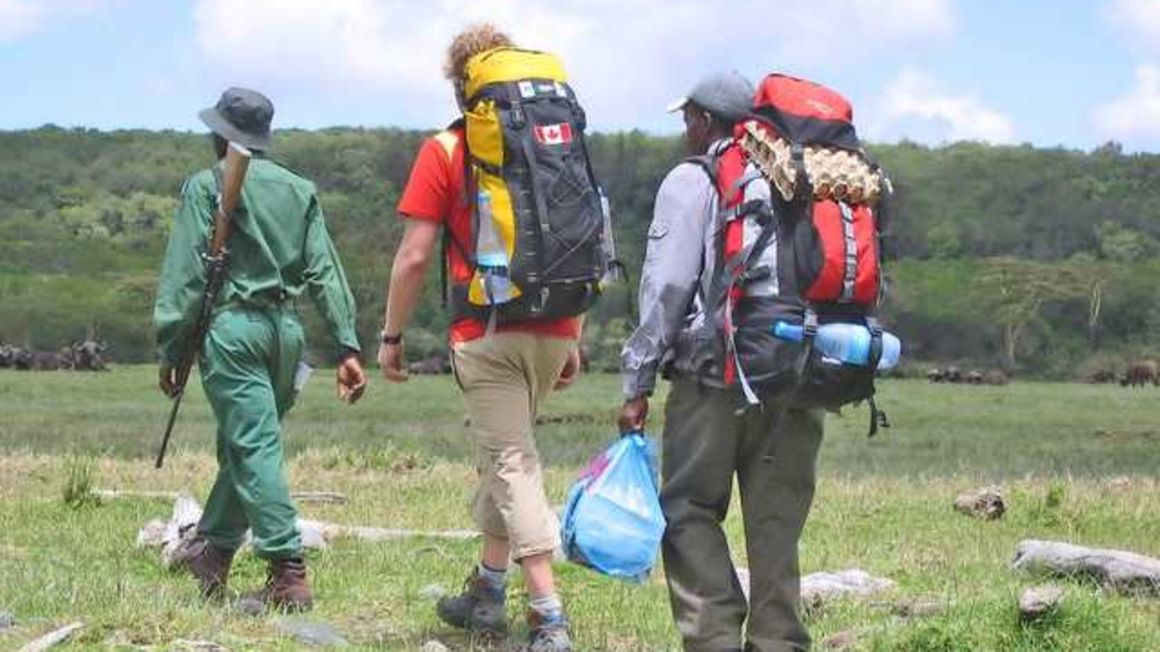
(972, 377)
(1137, 374)
(87, 355)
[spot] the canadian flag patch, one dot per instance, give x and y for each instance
(556, 134)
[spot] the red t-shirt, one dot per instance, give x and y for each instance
(435, 193)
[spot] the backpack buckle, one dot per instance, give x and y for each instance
(810, 324)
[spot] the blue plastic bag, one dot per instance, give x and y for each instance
(612, 518)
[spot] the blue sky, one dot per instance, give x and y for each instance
(1074, 73)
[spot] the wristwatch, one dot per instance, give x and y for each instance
(391, 340)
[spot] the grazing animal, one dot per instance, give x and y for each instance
(1141, 373)
(431, 365)
(88, 355)
(936, 375)
(996, 377)
(7, 352)
(954, 375)
(1102, 376)
(21, 358)
(45, 361)
(974, 377)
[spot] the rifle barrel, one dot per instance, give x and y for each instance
(169, 428)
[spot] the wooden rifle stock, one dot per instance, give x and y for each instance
(237, 161)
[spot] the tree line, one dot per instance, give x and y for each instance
(1043, 261)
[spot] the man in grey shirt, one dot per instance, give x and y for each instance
(709, 434)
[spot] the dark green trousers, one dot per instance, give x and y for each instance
(247, 369)
(708, 439)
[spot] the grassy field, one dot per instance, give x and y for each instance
(1078, 464)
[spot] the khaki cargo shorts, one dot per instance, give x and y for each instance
(504, 377)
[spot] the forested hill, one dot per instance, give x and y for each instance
(1040, 259)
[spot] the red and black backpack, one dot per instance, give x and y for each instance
(804, 248)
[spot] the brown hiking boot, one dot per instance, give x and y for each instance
(286, 587)
(478, 609)
(547, 633)
(210, 565)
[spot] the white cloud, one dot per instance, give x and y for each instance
(1140, 19)
(1135, 115)
(627, 58)
(917, 106)
(22, 18)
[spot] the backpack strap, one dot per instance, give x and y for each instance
(448, 141)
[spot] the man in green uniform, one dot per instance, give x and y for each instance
(279, 248)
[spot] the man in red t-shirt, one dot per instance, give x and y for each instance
(504, 375)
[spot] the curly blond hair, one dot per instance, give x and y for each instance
(476, 38)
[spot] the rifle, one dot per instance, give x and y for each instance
(216, 266)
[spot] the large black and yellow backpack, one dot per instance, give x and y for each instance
(537, 211)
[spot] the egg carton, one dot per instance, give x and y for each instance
(836, 174)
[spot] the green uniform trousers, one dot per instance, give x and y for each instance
(248, 365)
(709, 437)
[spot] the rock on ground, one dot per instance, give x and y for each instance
(53, 638)
(182, 645)
(820, 587)
(1038, 601)
(433, 646)
(986, 503)
(310, 632)
(1123, 571)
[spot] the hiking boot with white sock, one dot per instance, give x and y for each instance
(479, 609)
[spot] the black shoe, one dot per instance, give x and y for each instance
(479, 609)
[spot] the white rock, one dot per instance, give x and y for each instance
(53, 638)
(1124, 571)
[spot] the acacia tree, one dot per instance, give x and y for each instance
(1012, 291)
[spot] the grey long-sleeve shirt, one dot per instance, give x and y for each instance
(678, 258)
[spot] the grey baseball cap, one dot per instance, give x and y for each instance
(241, 116)
(727, 95)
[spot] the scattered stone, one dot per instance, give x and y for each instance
(310, 632)
(315, 497)
(1122, 571)
(918, 607)
(251, 606)
(180, 530)
(182, 645)
(986, 503)
(175, 535)
(433, 646)
(1120, 482)
(821, 587)
(53, 638)
(1038, 601)
(432, 592)
(6, 620)
(152, 534)
(842, 640)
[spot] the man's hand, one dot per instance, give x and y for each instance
(391, 362)
(167, 380)
(633, 415)
(571, 370)
(352, 381)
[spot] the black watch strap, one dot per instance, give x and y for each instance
(392, 340)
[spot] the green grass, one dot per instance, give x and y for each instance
(403, 458)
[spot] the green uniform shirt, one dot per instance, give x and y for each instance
(279, 247)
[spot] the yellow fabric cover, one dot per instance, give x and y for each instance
(504, 220)
(484, 133)
(510, 64)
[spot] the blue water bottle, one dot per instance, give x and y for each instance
(844, 343)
